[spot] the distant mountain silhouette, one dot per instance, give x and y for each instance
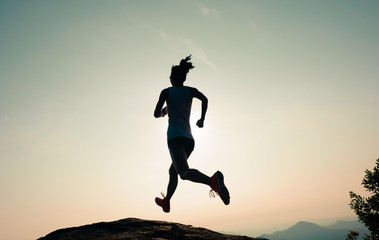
(134, 228)
(311, 231)
(351, 225)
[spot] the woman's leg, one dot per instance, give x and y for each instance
(173, 182)
(179, 160)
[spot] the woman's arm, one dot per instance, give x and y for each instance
(159, 111)
(204, 106)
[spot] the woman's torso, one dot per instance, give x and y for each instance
(179, 104)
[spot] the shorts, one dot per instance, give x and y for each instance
(188, 143)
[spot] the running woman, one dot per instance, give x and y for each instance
(178, 99)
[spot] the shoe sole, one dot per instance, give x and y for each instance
(224, 193)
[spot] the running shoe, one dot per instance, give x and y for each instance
(163, 202)
(217, 185)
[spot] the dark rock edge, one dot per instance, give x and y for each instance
(135, 228)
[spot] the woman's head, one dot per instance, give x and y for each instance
(179, 72)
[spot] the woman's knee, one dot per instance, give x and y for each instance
(172, 171)
(184, 175)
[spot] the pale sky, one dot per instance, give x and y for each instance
(292, 120)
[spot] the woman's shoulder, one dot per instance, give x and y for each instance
(193, 90)
(164, 93)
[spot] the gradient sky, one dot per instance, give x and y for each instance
(292, 121)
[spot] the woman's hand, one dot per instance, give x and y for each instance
(164, 111)
(200, 123)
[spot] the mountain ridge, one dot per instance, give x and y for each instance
(311, 231)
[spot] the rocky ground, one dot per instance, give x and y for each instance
(133, 228)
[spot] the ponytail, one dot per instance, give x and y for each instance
(185, 64)
(179, 72)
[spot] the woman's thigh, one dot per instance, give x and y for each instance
(179, 157)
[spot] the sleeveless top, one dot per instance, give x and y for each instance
(179, 103)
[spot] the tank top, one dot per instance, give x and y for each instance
(179, 103)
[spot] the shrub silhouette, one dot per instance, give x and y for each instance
(353, 235)
(367, 209)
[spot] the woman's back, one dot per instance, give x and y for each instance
(179, 104)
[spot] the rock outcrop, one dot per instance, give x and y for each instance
(134, 228)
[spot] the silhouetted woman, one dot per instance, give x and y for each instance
(180, 141)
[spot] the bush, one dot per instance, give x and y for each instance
(367, 209)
